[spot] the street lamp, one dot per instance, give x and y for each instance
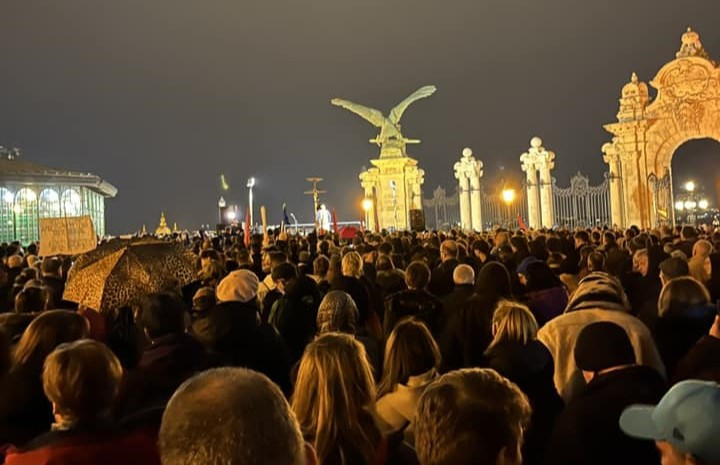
(703, 204)
(508, 196)
(367, 206)
(690, 186)
(221, 206)
(250, 185)
(679, 205)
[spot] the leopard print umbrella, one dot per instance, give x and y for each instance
(121, 272)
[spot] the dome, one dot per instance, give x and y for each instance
(467, 152)
(635, 88)
(536, 142)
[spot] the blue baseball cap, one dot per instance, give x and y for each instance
(687, 417)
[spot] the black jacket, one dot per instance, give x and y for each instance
(588, 433)
(441, 278)
(233, 330)
(416, 303)
(531, 368)
(295, 315)
(676, 335)
(455, 300)
(390, 282)
(701, 362)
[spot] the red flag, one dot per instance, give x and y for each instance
(247, 228)
(334, 220)
(521, 223)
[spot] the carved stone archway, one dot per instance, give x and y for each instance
(648, 132)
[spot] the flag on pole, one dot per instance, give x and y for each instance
(334, 220)
(521, 223)
(286, 219)
(247, 228)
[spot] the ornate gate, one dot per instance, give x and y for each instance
(582, 205)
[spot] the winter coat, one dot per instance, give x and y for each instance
(548, 303)
(417, 303)
(588, 431)
(560, 334)
(441, 278)
(676, 335)
(701, 362)
(455, 300)
(295, 315)
(398, 407)
(25, 412)
(531, 368)
(390, 282)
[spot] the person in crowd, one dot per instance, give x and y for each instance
(599, 297)
(203, 300)
(684, 316)
(24, 410)
(172, 356)
(471, 416)
(713, 284)
(545, 293)
(683, 425)
(441, 278)
(415, 302)
(469, 332)
(389, 279)
(688, 237)
(266, 290)
(587, 432)
(349, 281)
(334, 401)
(700, 265)
(295, 313)
(464, 280)
(673, 267)
(51, 272)
(643, 286)
(338, 313)
(234, 331)
(231, 416)
(320, 270)
(412, 360)
(82, 379)
(516, 354)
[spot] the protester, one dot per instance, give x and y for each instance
(464, 281)
(415, 302)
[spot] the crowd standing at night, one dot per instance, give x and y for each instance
(433, 348)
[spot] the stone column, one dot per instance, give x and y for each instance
(477, 223)
(368, 181)
(612, 158)
(464, 195)
(529, 165)
(544, 162)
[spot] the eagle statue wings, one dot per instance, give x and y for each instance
(390, 136)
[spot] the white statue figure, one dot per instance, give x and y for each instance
(390, 140)
(323, 218)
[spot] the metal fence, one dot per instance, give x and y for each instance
(581, 205)
(578, 206)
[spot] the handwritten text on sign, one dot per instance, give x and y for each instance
(66, 236)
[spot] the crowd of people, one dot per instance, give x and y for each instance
(433, 348)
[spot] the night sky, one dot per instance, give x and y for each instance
(162, 96)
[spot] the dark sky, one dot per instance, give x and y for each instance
(161, 96)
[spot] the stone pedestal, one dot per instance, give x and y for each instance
(394, 184)
(468, 172)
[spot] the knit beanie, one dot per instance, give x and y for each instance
(603, 345)
(599, 290)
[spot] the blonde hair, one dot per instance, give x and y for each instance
(352, 265)
(334, 399)
(410, 351)
(513, 321)
(82, 379)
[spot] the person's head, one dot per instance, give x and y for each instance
(320, 266)
(688, 233)
(410, 351)
(641, 262)
(272, 259)
(231, 416)
(417, 275)
(32, 299)
(596, 262)
(384, 263)
(680, 295)
(463, 274)
(448, 250)
(15, 261)
(599, 291)
(162, 314)
(673, 267)
(238, 286)
(352, 265)
(335, 396)
(471, 416)
(44, 334)
(203, 300)
(539, 277)
(513, 322)
(581, 238)
(51, 267)
(702, 248)
(493, 282)
(337, 312)
(684, 424)
(480, 249)
(602, 347)
(283, 274)
(81, 379)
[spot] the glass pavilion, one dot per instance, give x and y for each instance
(29, 192)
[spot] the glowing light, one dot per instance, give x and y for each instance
(508, 196)
(367, 204)
(231, 215)
(679, 205)
(690, 205)
(221, 202)
(703, 204)
(690, 186)
(8, 196)
(251, 182)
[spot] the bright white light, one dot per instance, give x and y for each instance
(690, 205)
(508, 195)
(231, 215)
(367, 205)
(679, 205)
(703, 204)
(690, 186)
(251, 182)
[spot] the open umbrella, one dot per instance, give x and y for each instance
(121, 272)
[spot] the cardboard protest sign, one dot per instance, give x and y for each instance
(66, 236)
